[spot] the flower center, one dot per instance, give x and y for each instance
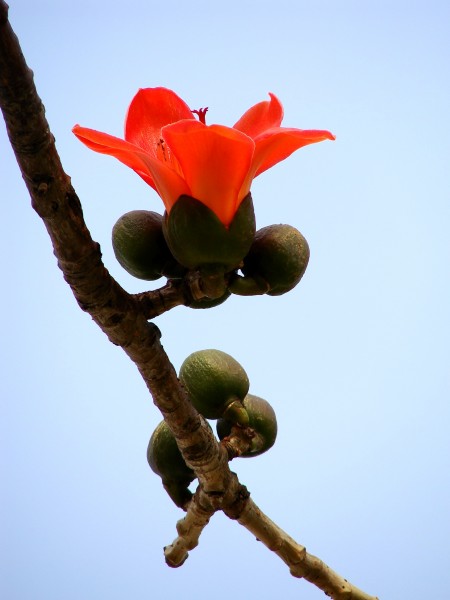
(201, 114)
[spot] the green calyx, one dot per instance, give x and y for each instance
(261, 418)
(165, 459)
(216, 384)
(198, 239)
(140, 247)
(275, 263)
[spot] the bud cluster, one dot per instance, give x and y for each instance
(218, 386)
(192, 239)
(215, 260)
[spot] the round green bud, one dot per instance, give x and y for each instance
(216, 384)
(279, 255)
(140, 247)
(165, 459)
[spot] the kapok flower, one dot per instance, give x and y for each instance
(177, 155)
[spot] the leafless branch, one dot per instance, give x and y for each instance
(124, 319)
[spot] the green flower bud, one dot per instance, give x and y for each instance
(216, 385)
(140, 247)
(279, 256)
(165, 459)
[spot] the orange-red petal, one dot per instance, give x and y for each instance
(215, 161)
(150, 110)
(261, 117)
(277, 144)
(169, 185)
(127, 153)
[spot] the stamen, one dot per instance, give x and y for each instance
(161, 148)
(201, 113)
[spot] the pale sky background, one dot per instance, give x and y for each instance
(355, 360)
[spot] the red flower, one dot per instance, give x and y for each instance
(178, 155)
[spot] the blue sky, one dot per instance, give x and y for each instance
(354, 360)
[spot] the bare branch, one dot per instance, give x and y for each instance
(124, 319)
(300, 563)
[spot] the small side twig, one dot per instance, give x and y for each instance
(153, 303)
(189, 530)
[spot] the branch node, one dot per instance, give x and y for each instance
(42, 189)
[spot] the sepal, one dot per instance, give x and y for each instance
(198, 239)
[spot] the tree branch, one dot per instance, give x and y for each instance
(300, 563)
(124, 319)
